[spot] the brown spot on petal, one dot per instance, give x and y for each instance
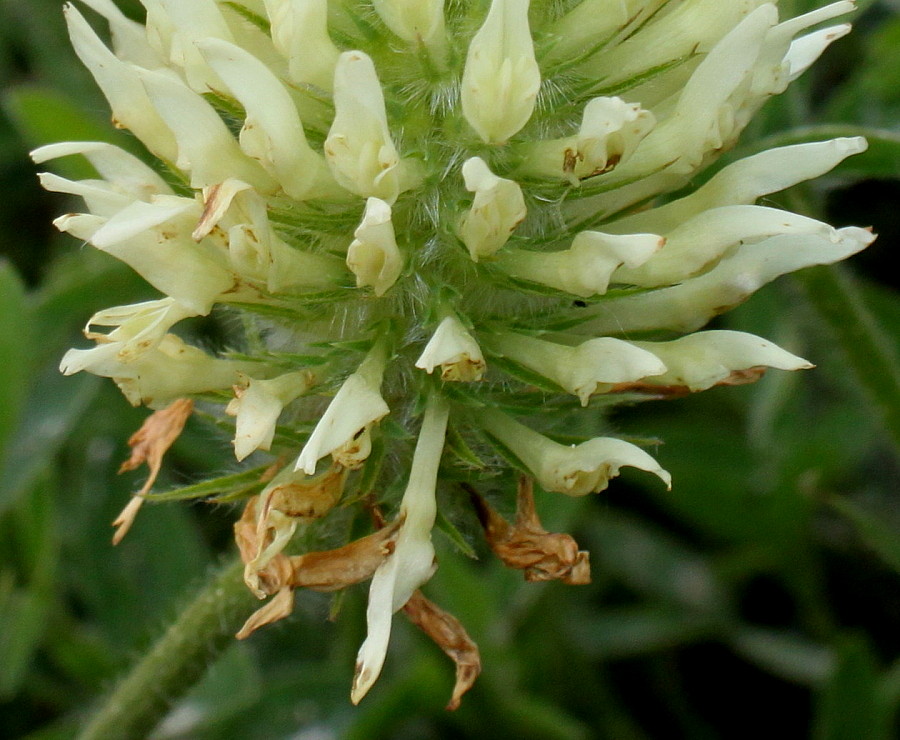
(463, 370)
(451, 637)
(544, 556)
(208, 218)
(148, 445)
(736, 377)
(571, 157)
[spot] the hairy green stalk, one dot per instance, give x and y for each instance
(177, 661)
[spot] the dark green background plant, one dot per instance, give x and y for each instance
(762, 595)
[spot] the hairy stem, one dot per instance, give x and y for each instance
(177, 660)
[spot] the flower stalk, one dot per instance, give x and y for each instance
(176, 661)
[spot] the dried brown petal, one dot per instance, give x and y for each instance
(332, 570)
(279, 607)
(149, 444)
(449, 634)
(544, 556)
(277, 573)
(309, 499)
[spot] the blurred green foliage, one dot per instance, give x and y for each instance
(760, 596)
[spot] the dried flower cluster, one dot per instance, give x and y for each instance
(438, 222)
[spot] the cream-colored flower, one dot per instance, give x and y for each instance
(300, 33)
(574, 470)
(453, 349)
(498, 207)
(139, 328)
(295, 162)
(611, 130)
(412, 562)
(272, 133)
(586, 268)
(356, 407)
(373, 256)
(689, 305)
(583, 368)
(501, 78)
(701, 360)
(170, 370)
(154, 239)
(415, 21)
(359, 149)
(257, 404)
(121, 84)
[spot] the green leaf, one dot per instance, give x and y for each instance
(457, 444)
(26, 583)
(884, 541)
(850, 706)
(44, 116)
(54, 408)
(785, 654)
(224, 488)
(455, 536)
(655, 564)
(840, 303)
(633, 631)
(15, 341)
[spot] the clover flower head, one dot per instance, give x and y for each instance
(488, 188)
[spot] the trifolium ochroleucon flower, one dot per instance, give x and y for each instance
(446, 231)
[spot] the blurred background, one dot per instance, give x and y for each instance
(761, 595)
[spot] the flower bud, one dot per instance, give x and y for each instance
(701, 241)
(176, 27)
(701, 360)
(206, 147)
(300, 33)
(501, 78)
(374, 256)
(689, 305)
(497, 209)
(359, 149)
(121, 84)
(415, 21)
(129, 38)
(272, 133)
(454, 349)
(746, 181)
